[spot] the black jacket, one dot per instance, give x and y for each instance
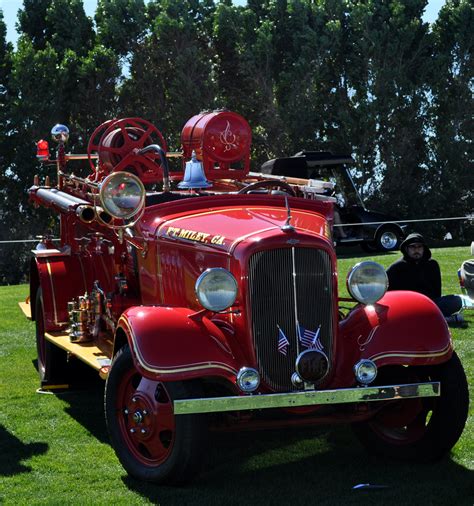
(423, 276)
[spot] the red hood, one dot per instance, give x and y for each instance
(224, 228)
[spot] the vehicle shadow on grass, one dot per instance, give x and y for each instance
(310, 466)
(13, 452)
(85, 399)
(86, 406)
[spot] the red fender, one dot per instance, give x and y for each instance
(60, 278)
(170, 343)
(403, 328)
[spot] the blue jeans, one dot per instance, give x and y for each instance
(449, 304)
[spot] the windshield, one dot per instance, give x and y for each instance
(344, 190)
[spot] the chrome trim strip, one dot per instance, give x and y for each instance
(295, 298)
(44, 253)
(238, 240)
(307, 398)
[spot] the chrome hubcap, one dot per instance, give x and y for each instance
(389, 240)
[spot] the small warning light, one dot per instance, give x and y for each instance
(42, 150)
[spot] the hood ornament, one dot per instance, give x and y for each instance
(287, 227)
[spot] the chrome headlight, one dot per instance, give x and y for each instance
(122, 195)
(216, 289)
(248, 379)
(365, 371)
(367, 282)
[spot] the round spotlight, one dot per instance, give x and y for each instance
(122, 195)
(312, 365)
(248, 379)
(367, 282)
(365, 371)
(60, 133)
(216, 289)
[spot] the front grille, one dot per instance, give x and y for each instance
(286, 286)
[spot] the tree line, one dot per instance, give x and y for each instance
(365, 77)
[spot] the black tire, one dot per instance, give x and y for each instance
(151, 442)
(369, 247)
(421, 429)
(387, 239)
(52, 361)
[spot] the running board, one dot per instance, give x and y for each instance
(97, 354)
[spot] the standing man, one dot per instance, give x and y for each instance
(418, 272)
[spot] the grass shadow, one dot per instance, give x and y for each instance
(13, 452)
(273, 467)
(84, 399)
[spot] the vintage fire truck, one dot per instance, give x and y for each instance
(205, 295)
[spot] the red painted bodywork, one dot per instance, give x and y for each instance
(167, 342)
(403, 328)
(222, 141)
(231, 228)
(149, 277)
(63, 275)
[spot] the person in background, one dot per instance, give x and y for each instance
(418, 272)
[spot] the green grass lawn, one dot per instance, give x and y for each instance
(54, 448)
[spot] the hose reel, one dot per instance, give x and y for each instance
(118, 143)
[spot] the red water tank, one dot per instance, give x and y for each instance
(221, 140)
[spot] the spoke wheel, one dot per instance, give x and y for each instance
(419, 429)
(93, 145)
(121, 140)
(150, 441)
(52, 361)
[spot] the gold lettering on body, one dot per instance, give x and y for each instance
(191, 235)
(218, 239)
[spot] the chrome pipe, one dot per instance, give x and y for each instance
(62, 200)
(103, 216)
(67, 203)
(164, 163)
(72, 177)
(85, 213)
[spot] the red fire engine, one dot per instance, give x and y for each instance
(206, 295)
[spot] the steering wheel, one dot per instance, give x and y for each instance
(268, 184)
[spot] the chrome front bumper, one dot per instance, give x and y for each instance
(306, 398)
